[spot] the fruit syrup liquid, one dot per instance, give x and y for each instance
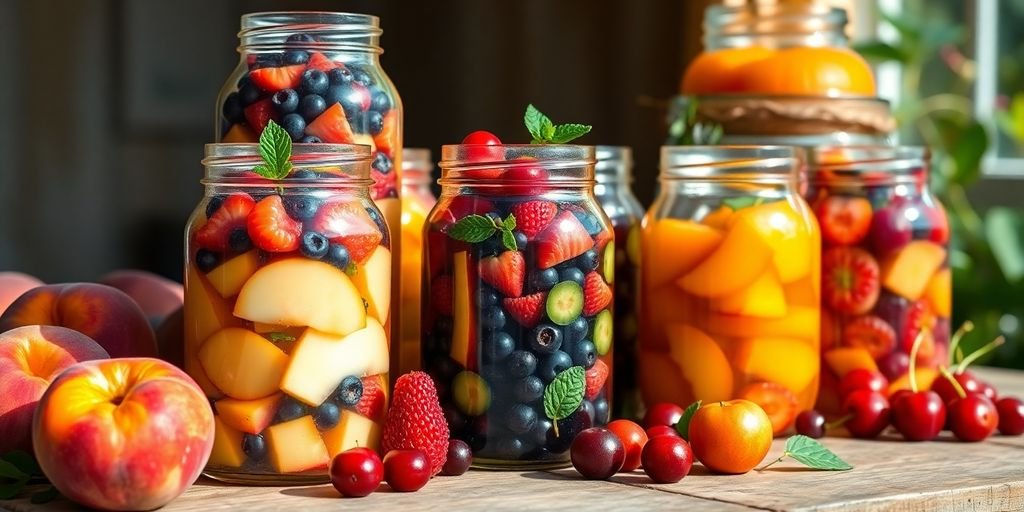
(459, 349)
(627, 401)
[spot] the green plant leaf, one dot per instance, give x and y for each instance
(908, 28)
(683, 427)
(739, 203)
(813, 454)
(510, 222)
(537, 123)
(8, 491)
(24, 461)
(567, 132)
(879, 51)
(472, 229)
(11, 471)
(565, 394)
(1003, 230)
(967, 150)
(276, 150)
(45, 496)
(508, 240)
(543, 131)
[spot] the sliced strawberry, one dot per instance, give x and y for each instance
(320, 61)
(259, 114)
(374, 401)
(383, 184)
(276, 79)
(596, 294)
(526, 310)
(231, 215)
(463, 205)
(849, 280)
(270, 227)
(563, 239)
(349, 224)
(387, 139)
(533, 216)
(441, 295)
(331, 126)
(596, 377)
(504, 272)
(844, 220)
(872, 334)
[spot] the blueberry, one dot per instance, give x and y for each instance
(303, 174)
(239, 240)
(601, 410)
(588, 261)
(295, 125)
(326, 416)
(572, 274)
(314, 81)
(243, 81)
(552, 365)
(497, 345)
(349, 391)
(232, 108)
(380, 101)
(301, 207)
(543, 280)
(336, 94)
(521, 418)
(584, 354)
(311, 106)
(493, 318)
(339, 76)
(509, 448)
(382, 163)
(292, 57)
(587, 408)
(360, 76)
(351, 98)
(488, 297)
(539, 434)
(206, 260)
(337, 255)
(589, 221)
(545, 339)
(300, 38)
(521, 363)
(285, 101)
(575, 330)
(254, 447)
(374, 122)
(290, 409)
(521, 240)
(213, 205)
(249, 94)
(310, 139)
(269, 60)
(527, 390)
(491, 247)
(314, 245)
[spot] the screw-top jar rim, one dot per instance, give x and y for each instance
(331, 31)
(879, 164)
(614, 164)
(755, 164)
(781, 24)
(565, 164)
(416, 166)
(337, 165)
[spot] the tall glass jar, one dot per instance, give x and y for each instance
(519, 297)
(885, 265)
(730, 282)
(287, 288)
(417, 200)
(614, 172)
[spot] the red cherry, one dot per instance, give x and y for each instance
(867, 413)
(1011, 416)
(524, 179)
(663, 413)
(947, 390)
(597, 453)
(811, 424)
(662, 430)
(894, 365)
(406, 470)
(988, 390)
(633, 438)
(918, 416)
(460, 457)
(356, 472)
(484, 146)
(862, 378)
(973, 417)
(939, 223)
(667, 459)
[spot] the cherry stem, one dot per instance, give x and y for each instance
(839, 422)
(954, 344)
(772, 463)
(952, 380)
(913, 360)
(973, 356)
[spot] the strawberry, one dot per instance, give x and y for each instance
(596, 377)
(463, 205)
(527, 310)
(844, 220)
(374, 402)
(275, 79)
(533, 216)
(562, 240)
(383, 184)
(388, 136)
(231, 215)
(505, 272)
(349, 224)
(441, 295)
(849, 280)
(416, 420)
(870, 333)
(270, 227)
(331, 126)
(259, 114)
(597, 295)
(319, 61)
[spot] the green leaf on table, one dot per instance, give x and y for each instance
(683, 426)
(45, 496)
(813, 454)
(564, 394)
(276, 150)
(10, 471)
(1003, 230)
(879, 51)
(472, 228)
(24, 461)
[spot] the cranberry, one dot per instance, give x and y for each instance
(460, 457)
(1011, 416)
(811, 424)
(867, 413)
(862, 378)
(918, 416)
(356, 472)
(973, 417)
(663, 413)
(667, 459)
(597, 453)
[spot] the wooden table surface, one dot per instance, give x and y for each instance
(888, 474)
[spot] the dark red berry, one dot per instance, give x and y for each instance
(867, 413)
(918, 416)
(356, 472)
(597, 453)
(811, 424)
(406, 470)
(973, 417)
(1011, 416)
(460, 457)
(664, 413)
(862, 378)
(667, 459)
(661, 430)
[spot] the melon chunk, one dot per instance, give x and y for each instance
(373, 280)
(229, 277)
(296, 446)
(792, 363)
(673, 247)
(907, 272)
(463, 332)
(301, 291)
(321, 360)
(206, 312)
(843, 360)
(243, 364)
(763, 298)
(702, 363)
(227, 445)
(353, 430)
(250, 416)
(741, 258)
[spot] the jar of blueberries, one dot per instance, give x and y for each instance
(286, 306)
(517, 316)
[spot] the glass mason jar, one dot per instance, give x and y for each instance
(509, 311)
(730, 281)
(614, 173)
(417, 200)
(287, 288)
(885, 266)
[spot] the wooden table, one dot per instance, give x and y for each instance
(888, 474)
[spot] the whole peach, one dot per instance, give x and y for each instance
(12, 285)
(31, 357)
(101, 312)
(156, 295)
(123, 434)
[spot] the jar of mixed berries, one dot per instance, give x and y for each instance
(417, 200)
(614, 172)
(885, 268)
(517, 315)
(287, 284)
(730, 282)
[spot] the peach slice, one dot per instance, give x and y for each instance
(792, 363)
(939, 293)
(320, 361)
(665, 305)
(352, 431)
(206, 312)
(702, 363)
(764, 298)
(805, 292)
(720, 218)
(250, 416)
(227, 445)
(660, 379)
(908, 271)
(740, 259)
(296, 446)
(788, 233)
(229, 277)
(373, 280)
(843, 360)
(243, 364)
(673, 247)
(799, 322)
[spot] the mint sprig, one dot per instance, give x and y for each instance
(565, 394)
(276, 151)
(812, 454)
(544, 131)
(683, 426)
(477, 228)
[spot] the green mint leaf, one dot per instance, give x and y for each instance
(276, 151)
(813, 454)
(510, 222)
(508, 240)
(11, 471)
(8, 491)
(565, 394)
(278, 337)
(45, 496)
(548, 130)
(472, 229)
(535, 122)
(683, 427)
(739, 203)
(24, 461)
(567, 132)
